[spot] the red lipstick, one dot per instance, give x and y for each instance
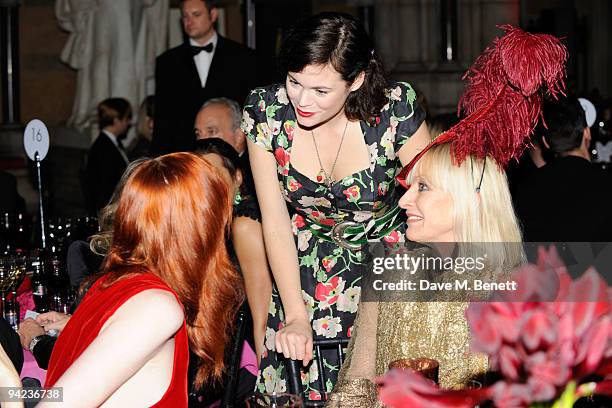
(304, 114)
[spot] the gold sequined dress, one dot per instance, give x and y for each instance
(387, 331)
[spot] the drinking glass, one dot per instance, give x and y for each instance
(260, 400)
(428, 367)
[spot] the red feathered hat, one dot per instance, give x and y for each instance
(502, 102)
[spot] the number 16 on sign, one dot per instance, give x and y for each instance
(36, 145)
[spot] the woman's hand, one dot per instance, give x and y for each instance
(53, 320)
(294, 340)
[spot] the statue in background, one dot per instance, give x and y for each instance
(112, 45)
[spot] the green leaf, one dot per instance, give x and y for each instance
(307, 260)
(282, 140)
(271, 110)
(329, 386)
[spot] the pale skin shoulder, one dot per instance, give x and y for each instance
(108, 371)
(417, 142)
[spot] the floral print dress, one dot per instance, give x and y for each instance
(330, 274)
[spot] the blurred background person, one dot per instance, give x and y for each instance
(107, 159)
(206, 66)
(567, 199)
(220, 117)
(144, 129)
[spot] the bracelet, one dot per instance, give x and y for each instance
(35, 341)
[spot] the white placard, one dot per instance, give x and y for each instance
(589, 111)
(36, 139)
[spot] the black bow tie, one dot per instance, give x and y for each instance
(195, 50)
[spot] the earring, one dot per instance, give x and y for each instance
(237, 198)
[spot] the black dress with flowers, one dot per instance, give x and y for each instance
(330, 274)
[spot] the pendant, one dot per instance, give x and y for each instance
(321, 176)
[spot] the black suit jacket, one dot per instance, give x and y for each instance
(179, 94)
(105, 166)
(567, 200)
(10, 200)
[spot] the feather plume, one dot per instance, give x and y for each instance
(502, 100)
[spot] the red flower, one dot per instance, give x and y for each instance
(298, 221)
(352, 193)
(289, 128)
(320, 217)
(349, 331)
(328, 292)
(293, 185)
(327, 221)
(314, 395)
(328, 263)
(282, 157)
(392, 237)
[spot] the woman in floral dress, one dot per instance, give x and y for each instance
(325, 148)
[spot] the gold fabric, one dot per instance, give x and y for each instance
(387, 331)
(436, 330)
(353, 393)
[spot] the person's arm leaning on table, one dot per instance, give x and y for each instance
(33, 335)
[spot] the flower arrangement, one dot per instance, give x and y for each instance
(551, 343)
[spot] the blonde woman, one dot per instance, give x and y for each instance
(445, 204)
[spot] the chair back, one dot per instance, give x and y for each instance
(294, 370)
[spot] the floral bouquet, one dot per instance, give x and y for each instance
(550, 343)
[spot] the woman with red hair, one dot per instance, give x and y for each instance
(167, 284)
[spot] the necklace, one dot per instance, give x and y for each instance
(328, 176)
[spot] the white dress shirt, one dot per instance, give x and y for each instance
(204, 59)
(113, 139)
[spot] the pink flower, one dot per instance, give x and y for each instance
(407, 388)
(552, 333)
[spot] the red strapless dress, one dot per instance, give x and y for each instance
(95, 309)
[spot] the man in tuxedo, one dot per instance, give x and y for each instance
(107, 159)
(204, 67)
(568, 199)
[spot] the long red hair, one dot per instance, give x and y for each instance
(172, 220)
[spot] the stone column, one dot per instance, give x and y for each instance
(9, 62)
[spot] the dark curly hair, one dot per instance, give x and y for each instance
(340, 40)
